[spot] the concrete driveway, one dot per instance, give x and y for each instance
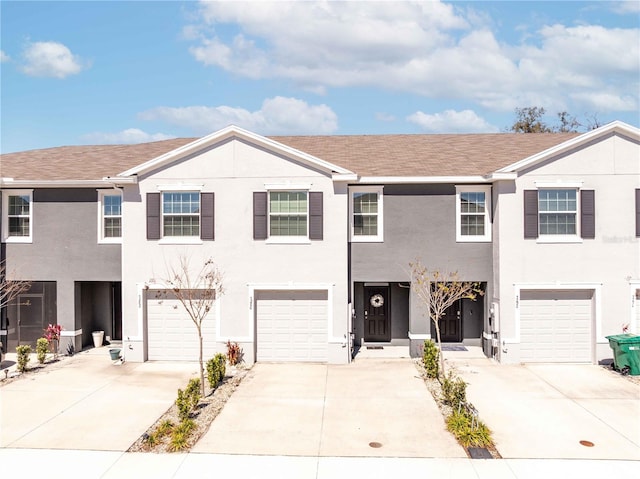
(332, 410)
(87, 402)
(545, 410)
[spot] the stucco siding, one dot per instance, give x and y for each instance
(233, 171)
(65, 249)
(611, 168)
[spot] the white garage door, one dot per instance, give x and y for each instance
(172, 335)
(291, 326)
(555, 326)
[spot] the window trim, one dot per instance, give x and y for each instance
(282, 239)
(486, 237)
(101, 217)
(379, 238)
(6, 238)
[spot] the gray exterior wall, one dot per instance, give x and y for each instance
(419, 223)
(65, 249)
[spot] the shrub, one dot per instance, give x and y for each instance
(216, 369)
(23, 351)
(165, 428)
(234, 353)
(178, 441)
(430, 356)
(188, 399)
(469, 432)
(42, 346)
(454, 391)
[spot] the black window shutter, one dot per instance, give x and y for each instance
(638, 213)
(587, 214)
(207, 216)
(315, 215)
(530, 213)
(260, 215)
(153, 216)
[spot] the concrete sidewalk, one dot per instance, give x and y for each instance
(332, 410)
(545, 410)
(61, 464)
(88, 402)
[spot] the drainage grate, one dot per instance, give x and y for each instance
(375, 347)
(587, 443)
(479, 453)
(375, 444)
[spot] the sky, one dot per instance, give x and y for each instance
(89, 72)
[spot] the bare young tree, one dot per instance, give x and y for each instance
(10, 289)
(438, 291)
(197, 291)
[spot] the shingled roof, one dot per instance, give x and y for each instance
(365, 155)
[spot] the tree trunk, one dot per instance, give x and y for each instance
(440, 347)
(200, 360)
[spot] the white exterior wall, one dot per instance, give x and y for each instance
(233, 171)
(608, 264)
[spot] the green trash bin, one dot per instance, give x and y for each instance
(626, 353)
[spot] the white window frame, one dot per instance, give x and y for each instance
(180, 239)
(280, 239)
(378, 238)
(486, 237)
(560, 238)
(5, 216)
(101, 217)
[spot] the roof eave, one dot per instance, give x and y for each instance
(369, 180)
(12, 183)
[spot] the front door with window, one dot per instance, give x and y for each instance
(376, 314)
(450, 324)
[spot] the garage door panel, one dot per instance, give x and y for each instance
(556, 326)
(172, 335)
(291, 325)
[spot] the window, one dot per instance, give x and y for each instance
(473, 205)
(559, 214)
(366, 214)
(17, 223)
(110, 211)
(558, 210)
(181, 213)
(288, 216)
(288, 211)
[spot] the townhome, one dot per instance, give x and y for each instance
(314, 236)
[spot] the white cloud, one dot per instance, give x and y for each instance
(429, 48)
(4, 57)
(451, 121)
(277, 116)
(129, 136)
(626, 6)
(50, 59)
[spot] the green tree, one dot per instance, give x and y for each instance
(530, 120)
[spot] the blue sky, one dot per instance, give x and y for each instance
(126, 72)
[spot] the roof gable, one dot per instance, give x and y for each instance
(582, 140)
(232, 132)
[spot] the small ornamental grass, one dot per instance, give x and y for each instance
(469, 431)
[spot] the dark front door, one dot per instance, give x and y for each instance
(451, 324)
(376, 313)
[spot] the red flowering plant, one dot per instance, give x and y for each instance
(52, 334)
